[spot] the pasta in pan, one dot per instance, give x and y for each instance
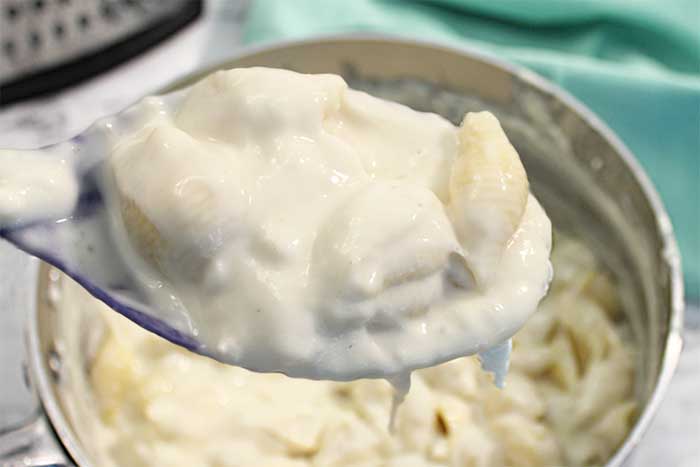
(567, 401)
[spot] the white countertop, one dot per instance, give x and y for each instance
(674, 437)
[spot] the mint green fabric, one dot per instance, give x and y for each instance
(636, 63)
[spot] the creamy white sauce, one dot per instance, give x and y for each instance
(294, 225)
(35, 185)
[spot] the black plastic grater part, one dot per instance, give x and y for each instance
(52, 79)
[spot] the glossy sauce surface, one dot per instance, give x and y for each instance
(35, 185)
(295, 225)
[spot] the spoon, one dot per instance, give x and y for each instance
(80, 242)
(53, 205)
(60, 204)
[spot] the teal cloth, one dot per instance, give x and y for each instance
(636, 63)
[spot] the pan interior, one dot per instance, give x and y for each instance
(583, 183)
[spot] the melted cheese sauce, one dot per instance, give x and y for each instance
(35, 186)
(295, 225)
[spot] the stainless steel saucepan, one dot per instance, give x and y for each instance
(588, 182)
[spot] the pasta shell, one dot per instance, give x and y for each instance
(142, 234)
(185, 195)
(488, 193)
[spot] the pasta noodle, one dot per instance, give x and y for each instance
(567, 401)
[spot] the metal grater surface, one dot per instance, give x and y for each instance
(40, 35)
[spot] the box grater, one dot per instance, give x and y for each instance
(49, 44)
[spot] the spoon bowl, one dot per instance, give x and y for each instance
(80, 241)
(338, 303)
